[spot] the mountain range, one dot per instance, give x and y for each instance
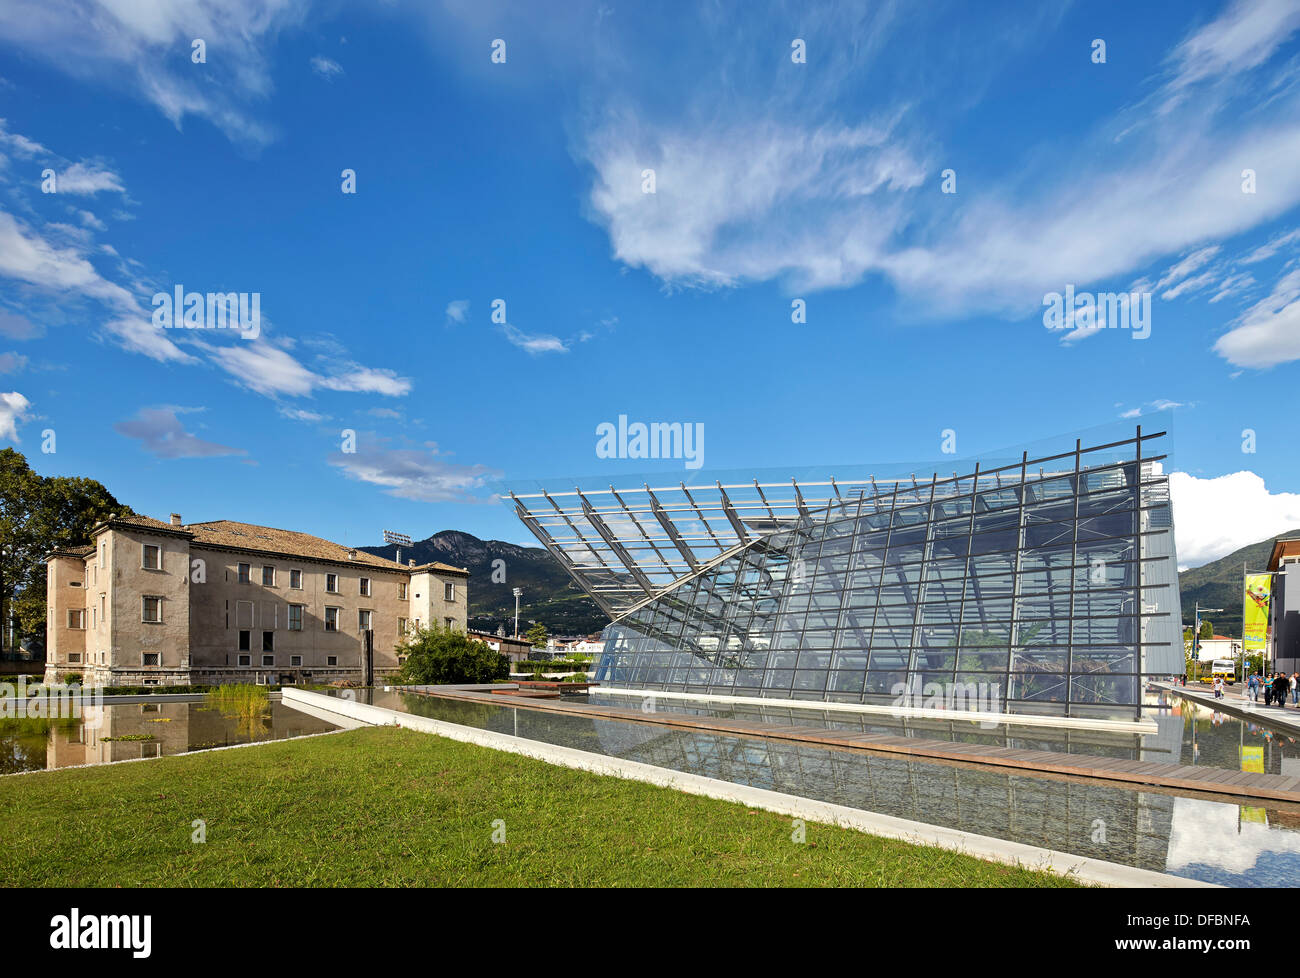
(551, 597)
(1218, 584)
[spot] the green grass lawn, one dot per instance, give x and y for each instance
(390, 807)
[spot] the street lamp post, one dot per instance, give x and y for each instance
(518, 593)
(1196, 634)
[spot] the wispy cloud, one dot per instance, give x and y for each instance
(534, 343)
(269, 368)
(161, 433)
(326, 67)
(457, 310)
(298, 414)
(409, 473)
(12, 362)
(87, 180)
(1152, 407)
(1268, 333)
(131, 46)
(802, 198)
(1243, 37)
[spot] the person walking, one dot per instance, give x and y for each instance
(1279, 689)
(1267, 682)
(1218, 687)
(1252, 687)
(1295, 689)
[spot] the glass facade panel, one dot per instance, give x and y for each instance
(1003, 585)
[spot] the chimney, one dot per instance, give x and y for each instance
(411, 562)
(176, 519)
(352, 555)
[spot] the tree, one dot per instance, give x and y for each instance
(439, 655)
(38, 515)
(537, 635)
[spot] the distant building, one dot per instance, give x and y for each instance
(515, 649)
(1284, 606)
(1219, 647)
(153, 603)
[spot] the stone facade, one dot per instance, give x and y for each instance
(153, 603)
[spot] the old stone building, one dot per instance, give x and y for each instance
(154, 603)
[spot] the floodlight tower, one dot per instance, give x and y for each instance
(401, 539)
(518, 594)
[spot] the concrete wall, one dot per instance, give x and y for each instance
(205, 608)
(132, 637)
(61, 642)
(1284, 618)
(223, 607)
(429, 603)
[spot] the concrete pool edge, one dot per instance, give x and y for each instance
(1145, 725)
(1080, 868)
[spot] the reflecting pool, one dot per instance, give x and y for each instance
(1156, 829)
(123, 731)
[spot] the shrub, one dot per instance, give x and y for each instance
(441, 656)
(72, 677)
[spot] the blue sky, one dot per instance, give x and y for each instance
(523, 181)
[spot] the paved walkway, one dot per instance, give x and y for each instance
(1218, 781)
(1236, 702)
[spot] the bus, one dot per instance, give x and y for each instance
(1225, 669)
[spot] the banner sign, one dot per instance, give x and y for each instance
(1254, 626)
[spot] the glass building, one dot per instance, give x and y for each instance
(1047, 586)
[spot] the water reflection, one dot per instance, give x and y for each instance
(1236, 845)
(122, 731)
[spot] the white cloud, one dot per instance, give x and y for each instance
(83, 179)
(20, 145)
(267, 368)
(145, 47)
(1232, 285)
(298, 414)
(17, 327)
(1243, 37)
(1272, 247)
(1194, 284)
(750, 201)
(414, 473)
(1268, 333)
(12, 362)
(1151, 407)
(1184, 267)
(13, 412)
(91, 221)
(534, 343)
(161, 433)
(458, 310)
(368, 380)
(326, 67)
(1214, 517)
(791, 195)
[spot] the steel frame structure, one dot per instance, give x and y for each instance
(1053, 580)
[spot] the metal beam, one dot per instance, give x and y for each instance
(619, 551)
(732, 516)
(682, 548)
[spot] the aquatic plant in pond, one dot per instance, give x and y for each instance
(243, 701)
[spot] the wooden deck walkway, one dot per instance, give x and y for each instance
(1238, 785)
